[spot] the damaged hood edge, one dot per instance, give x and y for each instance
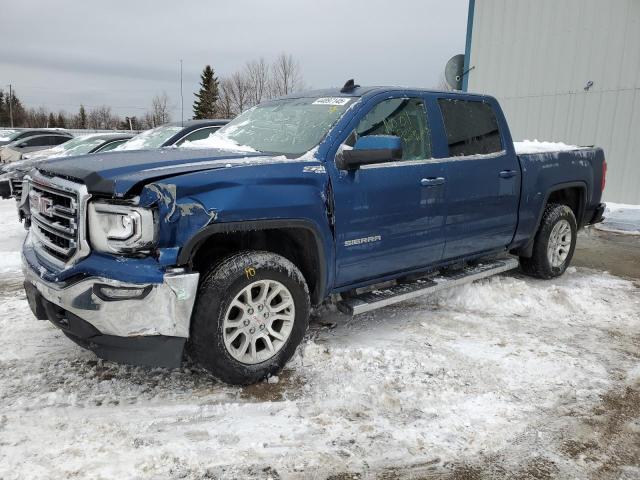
(116, 173)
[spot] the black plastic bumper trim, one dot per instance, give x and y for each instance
(598, 214)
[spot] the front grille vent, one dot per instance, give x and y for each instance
(55, 219)
(16, 188)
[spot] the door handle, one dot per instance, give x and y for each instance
(432, 181)
(507, 174)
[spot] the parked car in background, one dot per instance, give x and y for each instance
(14, 151)
(13, 135)
(12, 174)
(81, 145)
(175, 133)
(375, 194)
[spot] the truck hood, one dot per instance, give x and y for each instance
(116, 173)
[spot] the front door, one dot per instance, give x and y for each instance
(389, 216)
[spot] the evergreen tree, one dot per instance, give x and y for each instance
(207, 97)
(61, 120)
(82, 118)
(17, 110)
(51, 123)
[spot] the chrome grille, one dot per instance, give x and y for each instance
(16, 187)
(57, 214)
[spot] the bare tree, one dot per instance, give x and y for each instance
(285, 75)
(160, 109)
(148, 121)
(101, 118)
(37, 118)
(224, 104)
(239, 92)
(257, 75)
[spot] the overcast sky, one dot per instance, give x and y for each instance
(121, 53)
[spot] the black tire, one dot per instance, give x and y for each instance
(539, 265)
(219, 286)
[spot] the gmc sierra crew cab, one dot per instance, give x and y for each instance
(221, 252)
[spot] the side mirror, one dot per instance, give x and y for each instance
(369, 150)
(21, 145)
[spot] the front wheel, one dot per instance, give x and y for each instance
(554, 243)
(251, 313)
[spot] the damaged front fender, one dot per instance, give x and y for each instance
(178, 218)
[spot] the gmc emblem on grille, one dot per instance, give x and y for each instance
(40, 204)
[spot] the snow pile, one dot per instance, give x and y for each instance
(221, 140)
(536, 146)
(621, 218)
(13, 234)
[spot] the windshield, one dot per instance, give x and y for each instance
(8, 135)
(77, 146)
(150, 139)
(288, 127)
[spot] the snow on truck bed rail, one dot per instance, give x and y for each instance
(537, 146)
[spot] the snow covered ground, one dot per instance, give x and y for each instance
(509, 377)
(621, 218)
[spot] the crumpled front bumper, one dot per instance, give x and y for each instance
(163, 309)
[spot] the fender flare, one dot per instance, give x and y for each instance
(527, 250)
(191, 246)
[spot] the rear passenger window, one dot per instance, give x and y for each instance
(57, 139)
(403, 117)
(200, 134)
(471, 127)
(110, 146)
(41, 141)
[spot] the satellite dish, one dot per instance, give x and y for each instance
(453, 71)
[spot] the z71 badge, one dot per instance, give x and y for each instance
(360, 241)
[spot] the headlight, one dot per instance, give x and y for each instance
(121, 228)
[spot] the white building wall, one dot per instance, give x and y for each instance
(536, 57)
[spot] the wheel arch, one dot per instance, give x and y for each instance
(572, 194)
(298, 240)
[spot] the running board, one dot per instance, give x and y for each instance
(365, 302)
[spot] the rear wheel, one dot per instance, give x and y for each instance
(251, 313)
(554, 243)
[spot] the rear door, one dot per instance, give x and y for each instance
(389, 216)
(483, 179)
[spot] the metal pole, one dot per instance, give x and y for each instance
(181, 98)
(11, 105)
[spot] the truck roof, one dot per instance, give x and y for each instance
(361, 91)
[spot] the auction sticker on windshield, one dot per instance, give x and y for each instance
(331, 101)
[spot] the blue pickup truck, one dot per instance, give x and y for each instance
(221, 253)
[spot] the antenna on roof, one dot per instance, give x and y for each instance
(350, 86)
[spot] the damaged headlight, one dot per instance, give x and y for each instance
(121, 228)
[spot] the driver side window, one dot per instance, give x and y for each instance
(403, 117)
